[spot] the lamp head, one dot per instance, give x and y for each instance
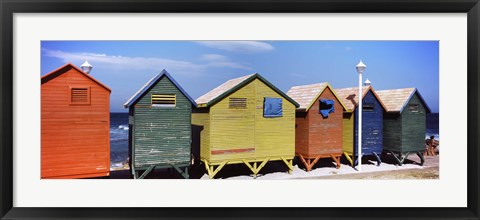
(86, 67)
(361, 67)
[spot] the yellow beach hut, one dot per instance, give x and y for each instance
(246, 120)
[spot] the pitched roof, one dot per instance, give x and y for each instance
(350, 98)
(306, 95)
(395, 100)
(63, 69)
(152, 82)
(219, 90)
(233, 85)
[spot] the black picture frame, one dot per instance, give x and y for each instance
(9, 7)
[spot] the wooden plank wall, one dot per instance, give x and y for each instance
(201, 132)
(75, 139)
(325, 134)
(274, 137)
(347, 142)
(232, 130)
(392, 132)
(301, 133)
(237, 134)
(162, 134)
(372, 127)
(414, 127)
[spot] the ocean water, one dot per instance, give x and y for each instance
(118, 139)
(119, 136)
(432, 126)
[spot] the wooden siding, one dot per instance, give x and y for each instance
(201, 134)
(348, 121)
(75, 139)
(162, 135)
(392, 132)
(274, 137)
(405, 132)
(233, 128)
(372, 127)
(414, 126)
(301, 133)
(245, 133)
(325, 135)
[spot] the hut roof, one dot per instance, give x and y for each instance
(63, 69)
(395, 100)
(306, 95)
(350, 98)
(233, 85)
(152, 82)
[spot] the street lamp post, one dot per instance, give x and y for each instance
(360, 68)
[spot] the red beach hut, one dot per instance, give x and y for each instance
(75, 124)
(319, 123)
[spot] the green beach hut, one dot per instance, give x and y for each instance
(404, 123)
(160, 127)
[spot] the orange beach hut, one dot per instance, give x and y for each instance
(75, 124)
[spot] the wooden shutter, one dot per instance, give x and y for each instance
(238, 103)
(164, 100)
(79, 95)
(413, 107)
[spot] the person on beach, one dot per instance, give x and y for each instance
(431, 145)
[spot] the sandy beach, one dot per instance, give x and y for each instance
(323, 170)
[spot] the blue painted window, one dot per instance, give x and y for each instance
(272, 107)
(326, 107)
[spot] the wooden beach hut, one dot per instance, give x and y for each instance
(246, 120)
(75, 124)
(159, 127)
(372, 123)
(319, 123)
(404, 123)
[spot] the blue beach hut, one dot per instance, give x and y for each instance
(372, 123)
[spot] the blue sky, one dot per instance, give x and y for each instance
(200, 66)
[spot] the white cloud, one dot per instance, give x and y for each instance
(144, 63)
(213, 57)
(348, 48)
(217, 60)
(239, 46)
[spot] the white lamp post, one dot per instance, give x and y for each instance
(86, 67)
(360, 68)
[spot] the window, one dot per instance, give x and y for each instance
(326, 107)
(79, 95)
(413, 107)
(163, 100)
(272, 107)
(367, 107)
(238, 103)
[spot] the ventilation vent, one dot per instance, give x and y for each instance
(238, 103)
(79, 96)
(368, 107)
(163, 100)
(413, 107)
